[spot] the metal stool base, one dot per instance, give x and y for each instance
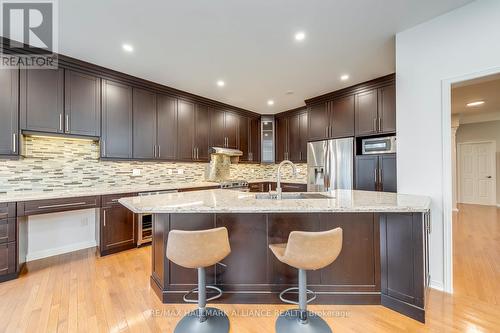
(288, 322)
(216, 322)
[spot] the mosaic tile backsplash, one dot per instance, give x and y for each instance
(57, 163)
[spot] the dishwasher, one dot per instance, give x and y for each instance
(145, 225)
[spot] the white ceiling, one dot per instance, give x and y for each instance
(190, 44)
(485, 89)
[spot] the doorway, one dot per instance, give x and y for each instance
(477, 173)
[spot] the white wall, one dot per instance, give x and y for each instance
(460, 42)
(57, 233)
(487, 131)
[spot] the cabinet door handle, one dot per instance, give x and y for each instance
(375, 124)
(67, 123)
(159, 151)
(63, 205)
(380, 124)
(104, 212)
(103, 148)
(60, 122)
(14, 142)
(154, 150)
(375, 178)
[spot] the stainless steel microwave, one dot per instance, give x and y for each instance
(383, 145)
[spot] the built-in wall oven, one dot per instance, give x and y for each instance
(145, 224)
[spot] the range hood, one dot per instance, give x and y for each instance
(226, 151)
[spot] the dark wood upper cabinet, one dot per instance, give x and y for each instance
(167, 127)
(185, 130)
(318, 122)
(255, 140)
(244, 138)
(342, 117)
(387, 109)
(291, 137)
(281, 124)
(224, 128)
(82, 104)
(217, 132)
(202, 133)
(366, 113)
(116, 140)
(231, 126)
(388, 173)
(144, 110)
(376, 173)
(42, 100)
(9, 112)
(303, 121)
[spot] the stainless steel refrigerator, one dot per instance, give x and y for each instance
(330, 165)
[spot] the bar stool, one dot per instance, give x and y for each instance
(200, 249)
(306, 251)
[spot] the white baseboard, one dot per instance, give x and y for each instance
(438, 285)
(60, 250)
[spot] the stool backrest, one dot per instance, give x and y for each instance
(197, 249)
(313, 250)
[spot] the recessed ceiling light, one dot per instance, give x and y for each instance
(344, 77)
(475, 103)
(221, 83)
(270, 102)
(128, 47)
(300, 36)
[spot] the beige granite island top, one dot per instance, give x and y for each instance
(230, 201)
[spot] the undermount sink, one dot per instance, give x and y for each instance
(291, 196)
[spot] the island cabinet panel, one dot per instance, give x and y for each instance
(116, 140)
(42, 100)
(9, 112)
(279, 228)
(82, 104)
(186, 278)
(358, 265)
(247, 264)
(403, 265)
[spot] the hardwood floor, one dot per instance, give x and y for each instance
(80, 292)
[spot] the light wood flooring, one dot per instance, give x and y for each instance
(80, 292)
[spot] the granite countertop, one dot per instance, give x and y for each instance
(229, 201)
(90, 191)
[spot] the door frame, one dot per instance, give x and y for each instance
(459, 171)
(446, 85)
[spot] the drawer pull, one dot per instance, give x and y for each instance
(63, 205)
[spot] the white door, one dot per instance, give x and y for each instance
(477, 173)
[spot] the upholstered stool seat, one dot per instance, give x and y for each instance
(306, 251)
(200, 249)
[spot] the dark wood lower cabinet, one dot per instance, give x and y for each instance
(7, 260)
(383, 259)
(376, 173)
(117, 226)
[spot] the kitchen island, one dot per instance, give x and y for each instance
(383, 259)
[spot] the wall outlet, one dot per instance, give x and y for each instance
(136, 172)
(180, 171)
